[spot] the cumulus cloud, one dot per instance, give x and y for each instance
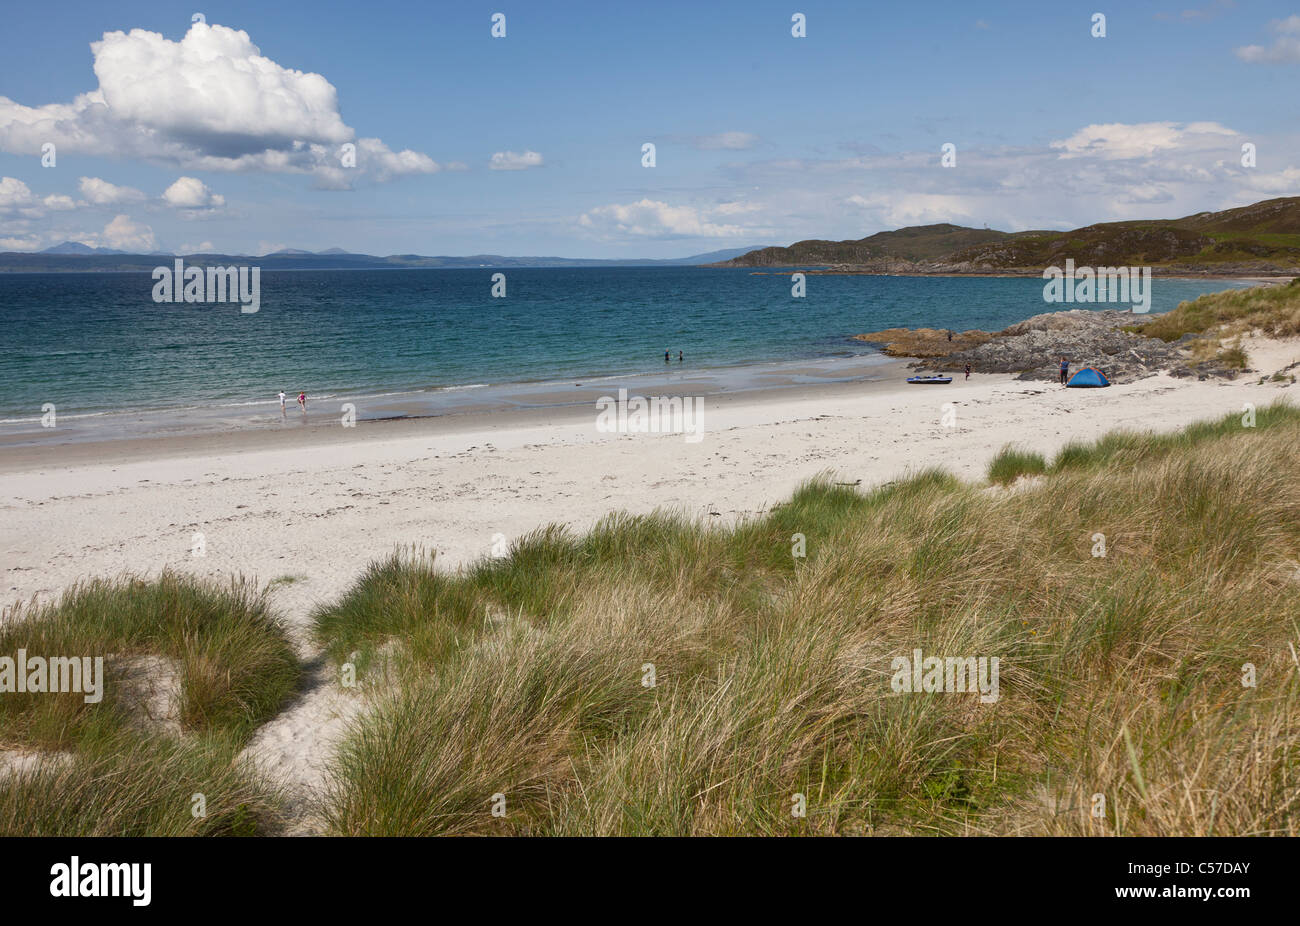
(211, 101)
(653, 219)
(1285, 48)
(20, 243)
(1285, 182)
(726, 141)
(102, 193)
(1119, 141)
(57, 202)
(508, 160)
(16, 198)
(125, 235)
(192, 193)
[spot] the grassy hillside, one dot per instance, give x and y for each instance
(1261, 237)
(656, 676)
(918, 243)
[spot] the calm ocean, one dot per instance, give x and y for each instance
(96, 343)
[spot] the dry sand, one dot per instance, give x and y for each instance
(316, 505)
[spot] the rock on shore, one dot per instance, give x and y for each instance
(1033, 348)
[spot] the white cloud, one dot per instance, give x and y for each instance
(652, 219)
(57, 202)
(735, 208)
(1283, 183)
(914, 208)
(726, 141)
(1285, 48)
(1119, 141)
(508, 160)
(192, 193)
(24, 243)
(1097, 174)
(102, 193)
(211, 101)
(125, 235)
(207, 247)
(16, 198)
(1148, 193)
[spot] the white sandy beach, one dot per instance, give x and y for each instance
(320, 504)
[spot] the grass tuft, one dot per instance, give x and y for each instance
(1013, 462)
(109, 767)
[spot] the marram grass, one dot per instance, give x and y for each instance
(662, 677)
(101, 768)
(1272, 310)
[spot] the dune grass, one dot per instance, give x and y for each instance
(1013, 462)
(102, 768)
(1130, 448)
(1274, 310)
(658, 676)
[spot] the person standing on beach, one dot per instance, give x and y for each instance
(1065, 370)
(302, 400)
(680, 357)
(667, 357)
(968, 371)
(281, 401)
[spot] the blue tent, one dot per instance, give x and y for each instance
(1088, 377)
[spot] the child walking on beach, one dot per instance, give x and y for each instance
(302, 400)
(968, 371)
(1065, 370)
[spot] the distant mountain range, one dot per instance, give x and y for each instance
(1258, 239)
(1261, 238)
(70, 256)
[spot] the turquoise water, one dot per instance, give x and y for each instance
(97, 343)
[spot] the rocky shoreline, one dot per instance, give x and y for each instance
(1032, 349)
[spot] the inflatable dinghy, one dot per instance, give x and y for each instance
(929, 380)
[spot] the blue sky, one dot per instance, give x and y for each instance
(214, 139)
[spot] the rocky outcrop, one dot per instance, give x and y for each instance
(1033, 349)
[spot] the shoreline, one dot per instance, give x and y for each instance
(325, 430)
(95, 424)
(454, 402)
(323, 501)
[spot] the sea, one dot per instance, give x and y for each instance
(111, 361)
